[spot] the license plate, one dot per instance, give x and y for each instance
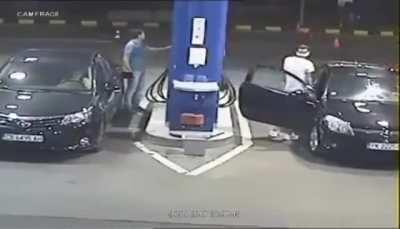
(23, 138)
(383, 146)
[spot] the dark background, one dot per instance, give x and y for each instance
(369, 14)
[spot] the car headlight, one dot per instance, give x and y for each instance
(338, 125)
(83, 117)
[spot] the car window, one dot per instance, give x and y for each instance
(269, 78)
(56, 74)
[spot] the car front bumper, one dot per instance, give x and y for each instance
(65, 138)
(360, 140)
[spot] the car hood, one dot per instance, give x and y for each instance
(42, 103)
(379, 112)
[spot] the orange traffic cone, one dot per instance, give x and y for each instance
(336, 43)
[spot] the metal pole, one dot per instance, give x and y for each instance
(302, 5)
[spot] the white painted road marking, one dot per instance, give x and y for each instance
(220, 160)
(243, 125)
(246, 143)
(158, 157)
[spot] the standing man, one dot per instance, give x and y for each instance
(301, 66)
(134, 69)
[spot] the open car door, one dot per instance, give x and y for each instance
(262, 98)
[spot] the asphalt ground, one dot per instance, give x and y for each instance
(271, 184)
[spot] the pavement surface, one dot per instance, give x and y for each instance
(271, 184)
(41, 222)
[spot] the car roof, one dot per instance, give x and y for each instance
(82, 55)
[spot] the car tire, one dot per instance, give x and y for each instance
(314, 140)
(100, 138)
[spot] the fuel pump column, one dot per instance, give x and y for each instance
(196, 68)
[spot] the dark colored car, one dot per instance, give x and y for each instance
(349, 105)
(57, 99)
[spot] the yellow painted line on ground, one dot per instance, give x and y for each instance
(332, 31)
(26, 21)
(273, 28)
(303, 30)
(89, 23)
(119, 23)
(151, 24)
(360, 33)
(57, 22)
(387, 33)
(243, 27)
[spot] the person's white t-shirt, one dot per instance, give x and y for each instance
(300, 67)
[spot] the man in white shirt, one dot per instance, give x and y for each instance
(298, 65)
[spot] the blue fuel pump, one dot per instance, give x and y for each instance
(196, 68)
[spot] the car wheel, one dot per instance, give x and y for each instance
(100, 137)
(314, 140)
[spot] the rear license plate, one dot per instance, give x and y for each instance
(383, 146)
(23, 138)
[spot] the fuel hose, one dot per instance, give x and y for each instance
(156, 92)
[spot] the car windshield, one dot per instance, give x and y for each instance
(368, 85)
(33, 73)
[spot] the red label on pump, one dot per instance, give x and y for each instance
(191, 119)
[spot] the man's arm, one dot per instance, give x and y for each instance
(126, 66)
(309, 73)
(158, 48)
(126, 57)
